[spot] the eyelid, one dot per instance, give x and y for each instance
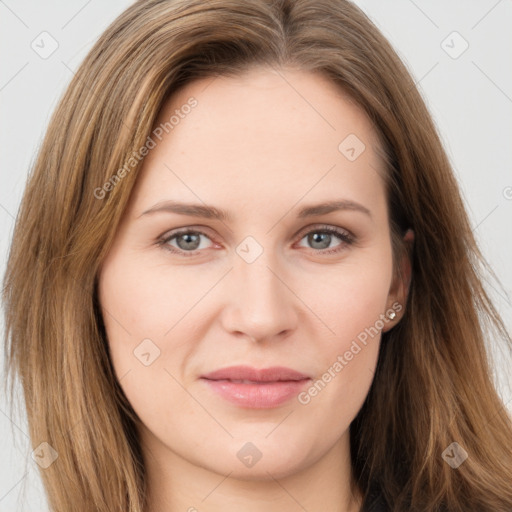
(324, 227)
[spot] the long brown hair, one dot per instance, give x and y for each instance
(433, 383)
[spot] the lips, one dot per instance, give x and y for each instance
(256, 389)
(247, 373)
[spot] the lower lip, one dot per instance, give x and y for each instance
(257, 396)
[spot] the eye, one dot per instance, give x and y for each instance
(187, 242)
(320, 238)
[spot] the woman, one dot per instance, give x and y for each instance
(250, 278)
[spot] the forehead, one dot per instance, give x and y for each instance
(268, 101)
(258, 134)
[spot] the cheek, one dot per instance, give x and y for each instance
(352, 297)
(141, 301)
(352, 305)
(142, 319)
(345, 368)
(151, 326)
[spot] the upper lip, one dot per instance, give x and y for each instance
(273, 374)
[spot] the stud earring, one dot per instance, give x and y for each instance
(392, 315)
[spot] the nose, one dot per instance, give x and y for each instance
(259, 303)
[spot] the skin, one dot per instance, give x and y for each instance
(262, 146)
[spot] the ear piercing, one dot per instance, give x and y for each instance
(391, 315)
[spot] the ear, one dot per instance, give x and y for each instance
(400, 284)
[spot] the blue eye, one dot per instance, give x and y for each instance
(187, 242)
(321, 239)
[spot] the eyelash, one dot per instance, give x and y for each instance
(345, 237)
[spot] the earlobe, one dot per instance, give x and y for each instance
(399, 289)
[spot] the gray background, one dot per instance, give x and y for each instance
(468, 92)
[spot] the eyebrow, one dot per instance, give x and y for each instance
(211, 212)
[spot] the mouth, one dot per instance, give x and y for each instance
(245, 381)
(251, 388)
(248, 373)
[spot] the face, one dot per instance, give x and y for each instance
(297, 273)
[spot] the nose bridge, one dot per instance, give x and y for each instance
(260, 305)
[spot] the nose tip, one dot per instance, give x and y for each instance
(259, 305)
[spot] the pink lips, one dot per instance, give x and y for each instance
(256, 389)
